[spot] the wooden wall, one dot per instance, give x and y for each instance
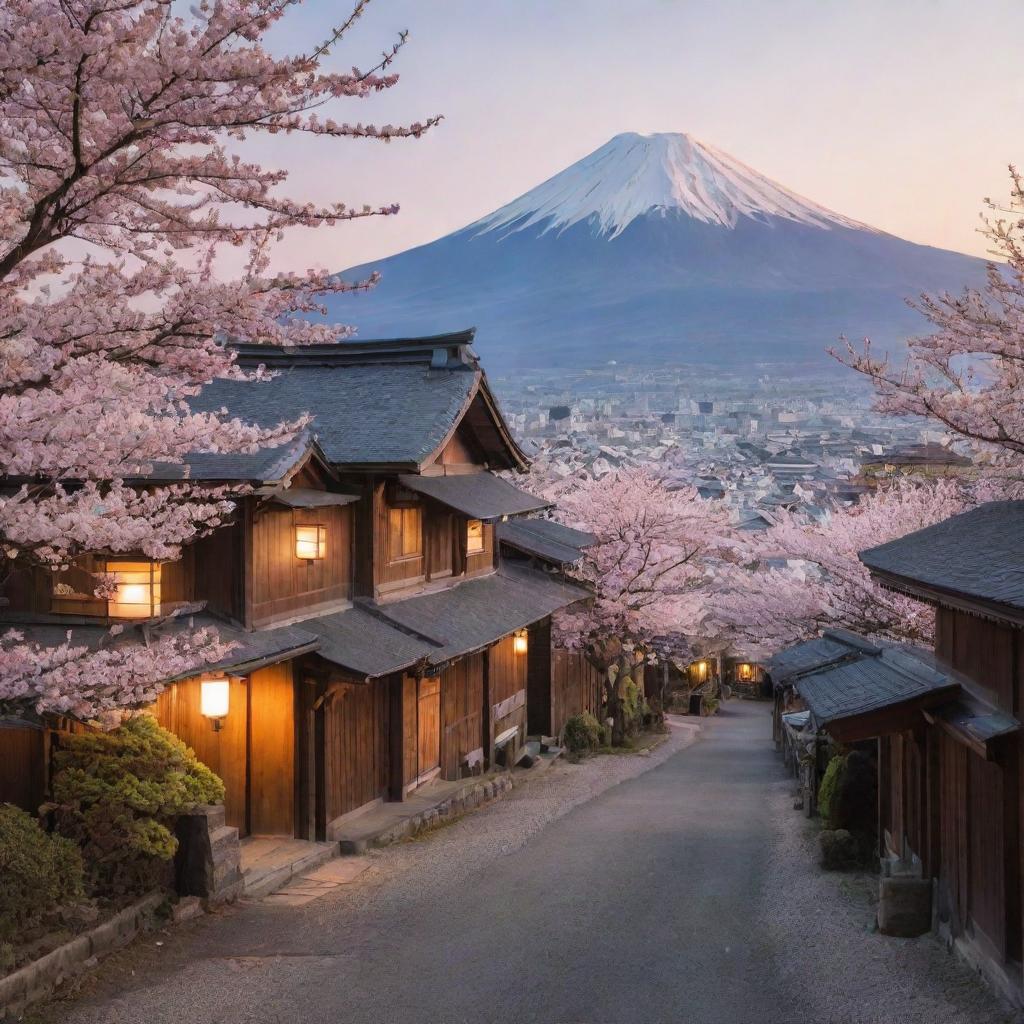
(462, 698)
(575, 687)
(356, 756)
(253, 752)
(988, 652)
(506, 675)
(23, 776)
(481, 561)
(284, 585)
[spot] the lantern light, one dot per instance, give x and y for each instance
(213, 700)
(310, 542)
(520, 643)
(746, 671)
(136, 589)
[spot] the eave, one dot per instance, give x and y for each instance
(947, 598)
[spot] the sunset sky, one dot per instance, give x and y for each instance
(902, 114)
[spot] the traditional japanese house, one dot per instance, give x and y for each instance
(381, 640)
(951, 785)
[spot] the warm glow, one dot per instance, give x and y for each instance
(213, 698)
(310, 542)
(520, 645)
(702, 670)
(137, 594)
(474, 536)
(746, 671)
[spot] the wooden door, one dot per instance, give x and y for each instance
(428, 729)
(272, 751)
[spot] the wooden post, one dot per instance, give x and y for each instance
(487, 718)
(396, 737)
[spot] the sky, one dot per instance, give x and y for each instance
(903, 114)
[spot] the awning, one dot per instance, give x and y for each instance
(308, 497)
(875, 694)
(975, 724)
(477, 495)
(545, 539)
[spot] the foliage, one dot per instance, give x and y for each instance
(117, 795)
(828, 791)
(583, 733)
(40, 872)
(119, 192)
(968, 375)
(800, 577)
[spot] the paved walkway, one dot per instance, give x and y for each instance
(655, 901)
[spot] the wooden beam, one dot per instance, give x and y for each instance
(396, 737)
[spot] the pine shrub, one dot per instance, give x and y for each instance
(39, 873)
(828, 791)
(117, 794)
(583, 733)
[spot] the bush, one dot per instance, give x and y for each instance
(39, 873)
(583, 732)
(828, 791)
(117, 794)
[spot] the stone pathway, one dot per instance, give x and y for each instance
(319, 882)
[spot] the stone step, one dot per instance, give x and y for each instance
(271, 873)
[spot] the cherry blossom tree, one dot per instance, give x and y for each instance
(120, 184)
(968, 375)
(800, 577)
(647, 570)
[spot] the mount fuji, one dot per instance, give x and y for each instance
(658, 249)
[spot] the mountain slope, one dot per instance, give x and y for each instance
(657, 249)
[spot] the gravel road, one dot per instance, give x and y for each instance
(675, 886)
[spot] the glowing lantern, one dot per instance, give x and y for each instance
(520, 644)
(746, 672)
(310, 542)
(213, 700)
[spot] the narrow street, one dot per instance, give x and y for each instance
(658, 900)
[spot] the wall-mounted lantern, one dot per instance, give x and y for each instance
(746, 672)
(520, 644)
(137, 589)
(702, 671)
(214, 700)
(310, 542)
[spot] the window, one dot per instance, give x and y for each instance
(138, 589)
(474, 537)
(405, 533)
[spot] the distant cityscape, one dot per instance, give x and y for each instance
(760, 444)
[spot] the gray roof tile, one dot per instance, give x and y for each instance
(548, 540)
(979, 554)
(477, 495)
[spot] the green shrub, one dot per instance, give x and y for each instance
(828, 791)
(117, 794)
(39, 872)
(583, 732)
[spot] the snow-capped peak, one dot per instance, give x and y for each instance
(633, 174)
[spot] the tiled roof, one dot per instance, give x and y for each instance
(551, 541)
(978, 554)
(836, 645)
(269, 465)
(869, 682)
(251, 648)
(477, 495)
(375, 413)
(364, 643)
(473, 614)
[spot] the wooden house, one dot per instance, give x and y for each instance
(380, 638)
(950, 778)
(947, 725)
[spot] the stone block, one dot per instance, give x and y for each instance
(905, 906)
